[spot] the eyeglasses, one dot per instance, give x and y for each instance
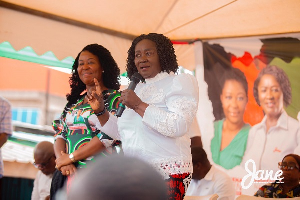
(287, 165)
(42, 165)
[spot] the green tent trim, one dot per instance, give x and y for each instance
(22, 141)
(29, 55)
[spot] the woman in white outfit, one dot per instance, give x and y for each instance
(159, 112)
(277, 134)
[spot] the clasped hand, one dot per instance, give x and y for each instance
(130, 99)
(65, 165)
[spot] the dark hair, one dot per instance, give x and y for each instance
(111, 74)
(237, 75)
(295, 156)
(122, 177)
(280, 77)
(165, 51)
(199, 155)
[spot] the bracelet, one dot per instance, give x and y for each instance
(100, 113)
(71, 156)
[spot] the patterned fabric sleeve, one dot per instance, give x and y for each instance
(5, 117)
(59, 126)
(261, 191)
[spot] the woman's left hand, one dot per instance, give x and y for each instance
(130, 99)
(68, 170)
(63, 160)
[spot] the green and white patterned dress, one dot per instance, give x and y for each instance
(78, 125)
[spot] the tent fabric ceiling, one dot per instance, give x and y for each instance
(178, 19)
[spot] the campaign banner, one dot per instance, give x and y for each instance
(253, 89)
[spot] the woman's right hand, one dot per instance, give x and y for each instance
(95, 98)
(68, 170)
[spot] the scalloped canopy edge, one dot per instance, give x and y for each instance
(29, 55)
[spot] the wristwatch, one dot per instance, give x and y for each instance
(71, 156)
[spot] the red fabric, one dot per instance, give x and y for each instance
(176, 186)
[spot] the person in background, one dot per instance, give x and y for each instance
(44, 160)
(277, 134)
(5, 129)
(231, 133)
(207, 179)
(289, 186)
(77, 133)
(118, 177)
(159, 112)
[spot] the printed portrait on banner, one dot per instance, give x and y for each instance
(252, 82)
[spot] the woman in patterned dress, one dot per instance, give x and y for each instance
(289, 186)
(77, 125)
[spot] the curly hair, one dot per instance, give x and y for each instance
(165, 51)
(237, 75)
(110, 76)
(280, 77)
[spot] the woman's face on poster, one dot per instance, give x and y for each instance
(234, 100)
(270, 95)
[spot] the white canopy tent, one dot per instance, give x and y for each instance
(65, 27)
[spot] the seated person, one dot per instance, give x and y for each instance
(289, 186)
(207, 180)
(44, 160)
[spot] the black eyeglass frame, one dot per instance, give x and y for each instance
(42, 165)
(287, 165)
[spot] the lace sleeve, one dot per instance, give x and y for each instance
(181, 102)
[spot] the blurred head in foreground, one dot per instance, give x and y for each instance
(118, 177)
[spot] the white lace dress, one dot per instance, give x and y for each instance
(160, 137)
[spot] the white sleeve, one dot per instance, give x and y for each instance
(181, 102)
(35, 193)
(194, 130)
(297, 149)
(110, 128)
(225, 189)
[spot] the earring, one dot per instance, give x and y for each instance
(103, 71)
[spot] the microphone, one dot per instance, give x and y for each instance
(135, 79)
